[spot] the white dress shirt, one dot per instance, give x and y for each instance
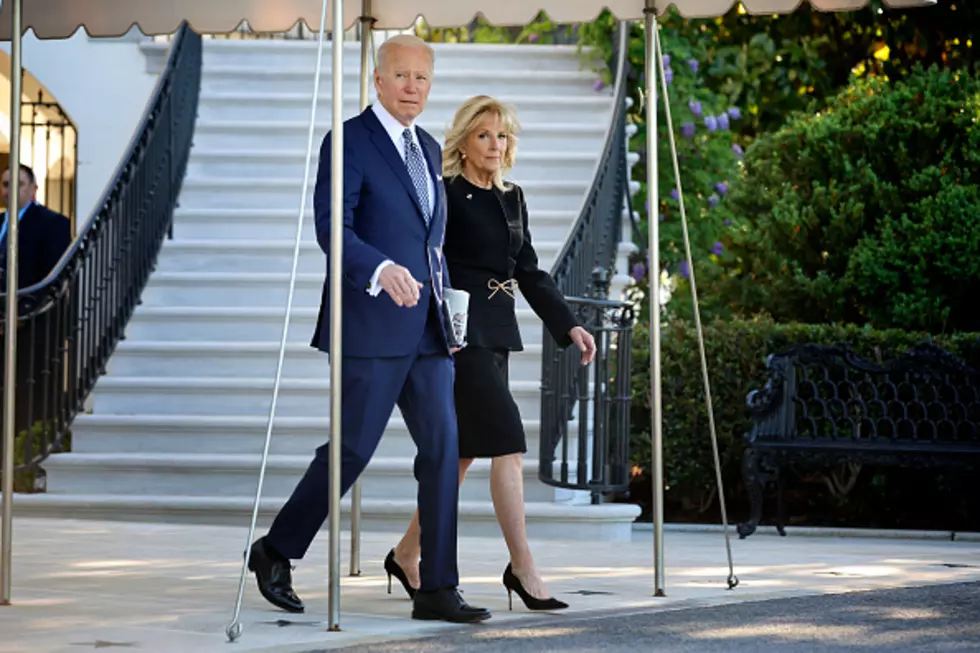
(395, 130)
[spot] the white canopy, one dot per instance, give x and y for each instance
(52, 19)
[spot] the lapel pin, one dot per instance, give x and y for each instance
(469, 196)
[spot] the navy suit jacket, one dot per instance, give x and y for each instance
(383, 220)
(43, 236)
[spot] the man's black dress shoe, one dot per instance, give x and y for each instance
(274, 578)
(446, 605)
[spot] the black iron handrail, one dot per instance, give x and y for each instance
(594, 455)
(581, 272)
(70, 323)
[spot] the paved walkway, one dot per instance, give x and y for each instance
(905, 620)
(166, 588)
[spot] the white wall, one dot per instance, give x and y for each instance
(102, 84)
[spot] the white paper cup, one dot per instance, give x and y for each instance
(458, 307)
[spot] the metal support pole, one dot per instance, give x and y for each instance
(367, 26)
(10, 381)
(235, 628)
(653, 228)
(709, 405)
(336, 305)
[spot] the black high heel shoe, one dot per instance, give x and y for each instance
(394, 569)
(514, 584)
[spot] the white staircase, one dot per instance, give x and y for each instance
(177, 424)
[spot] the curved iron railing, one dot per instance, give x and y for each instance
(600, 443)
(70, 323)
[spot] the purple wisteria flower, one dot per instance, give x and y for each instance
(533, 38)
(599, 85)
(728, 223)
(718, 249)
(646, 207)
(639, 271)
(734, 113)
(713, 200)
(669, 76)
(666, 61)
(723, 123)
(687, 129)
(737, 149)
(675, 194)
(695, 108)
(684, 270)
(711, 123)
(722, 188)
(661, 217)
(694, 64)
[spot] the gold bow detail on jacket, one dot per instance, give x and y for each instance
(509, 287)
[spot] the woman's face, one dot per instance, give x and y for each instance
(485, 146)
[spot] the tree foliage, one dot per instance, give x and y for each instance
(776, 65)
(708, 151)
(867, 212)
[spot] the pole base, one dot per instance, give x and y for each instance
(234, 631)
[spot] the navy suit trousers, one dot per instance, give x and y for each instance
(421, 385)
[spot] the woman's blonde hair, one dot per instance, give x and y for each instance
(466, 119)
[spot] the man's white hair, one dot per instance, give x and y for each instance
(404, 40)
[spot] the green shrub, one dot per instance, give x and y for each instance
(736, 353)
(31, 479)
(703, 126)
(866, 213)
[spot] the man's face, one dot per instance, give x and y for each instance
(403, 86)
(26, 192)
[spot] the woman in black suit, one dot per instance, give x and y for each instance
(489, 254)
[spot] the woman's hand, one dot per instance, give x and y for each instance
(585, 343)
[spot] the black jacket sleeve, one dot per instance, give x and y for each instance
(540, 289)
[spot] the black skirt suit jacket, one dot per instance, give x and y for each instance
(482, 249)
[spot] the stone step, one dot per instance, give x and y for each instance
(242, 396)
(298, 53)
(243, 134)
(277, 193)
(202, 475)
(254, 256)
(280, 224)
(223, 320)
(244, 359)
(99, 433)
(441, 107)
(545, 520)
(220, 163)
(477, 80)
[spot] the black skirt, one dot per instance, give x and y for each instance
(489, 421)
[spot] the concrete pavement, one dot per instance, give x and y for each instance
(171, 588)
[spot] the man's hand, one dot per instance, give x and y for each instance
(585, 343)
(400, 285)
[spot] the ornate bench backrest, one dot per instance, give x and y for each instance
(927, 399)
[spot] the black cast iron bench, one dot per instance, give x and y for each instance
(823, 405)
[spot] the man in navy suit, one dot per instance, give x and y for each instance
(43, 235)
(395, 340)
(42, 238)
